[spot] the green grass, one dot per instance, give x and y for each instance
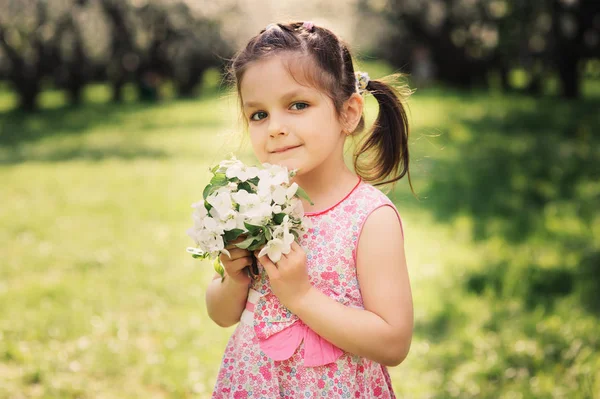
(98, 298)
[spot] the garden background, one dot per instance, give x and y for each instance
(112, 111)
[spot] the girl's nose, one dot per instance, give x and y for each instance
(276, 128)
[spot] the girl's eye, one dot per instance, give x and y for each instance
(299, 106)
(257, 116)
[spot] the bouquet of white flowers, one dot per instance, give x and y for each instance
(258, 204)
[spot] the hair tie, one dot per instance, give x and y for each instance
(308, 25)
(362, 81)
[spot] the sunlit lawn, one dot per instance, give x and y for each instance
(98, 298)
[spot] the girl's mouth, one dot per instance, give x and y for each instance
(284, 149)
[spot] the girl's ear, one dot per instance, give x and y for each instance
(352, 111)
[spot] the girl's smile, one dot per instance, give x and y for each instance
(284, 149)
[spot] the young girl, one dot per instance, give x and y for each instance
(326, 320)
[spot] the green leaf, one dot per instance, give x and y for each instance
(207, 191)
(245, 186)
(246, 243)
(219, 268)
(278, 218)
(302, 194)
(259, 244)
(254, 230)
(214, 169)
(267, 233)
(219, 180)
(232, 235)
(254, 180)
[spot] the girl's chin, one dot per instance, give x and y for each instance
(290, 164)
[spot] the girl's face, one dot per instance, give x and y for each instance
(290, 124)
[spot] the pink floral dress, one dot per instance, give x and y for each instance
(273, 354)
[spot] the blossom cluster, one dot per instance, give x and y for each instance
(257, 204)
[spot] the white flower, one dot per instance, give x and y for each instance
(281, 242)
(279, 194)
(221, 201)
(275, 248)
(243, 198)
(257, 214)
(283, 228)
(212, 226)
(291, 190)
(198, 218)
(229, 220)
(200, 211)
(195, 251)
(199, 206)
(228, 163)
(295, 209)
(277, 209)
(273, 175)
(209, 237)
(306, 224)
(241, 171)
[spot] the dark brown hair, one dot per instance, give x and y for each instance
(382, 156)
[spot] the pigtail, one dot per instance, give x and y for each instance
(382, 156)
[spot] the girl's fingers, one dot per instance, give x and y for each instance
(296, 247)
(236, 253)
(269, 266)
(239, 263)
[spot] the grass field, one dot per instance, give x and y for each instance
(98, 298)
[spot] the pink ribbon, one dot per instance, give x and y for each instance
(283, 344)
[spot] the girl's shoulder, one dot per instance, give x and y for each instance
(370, 197)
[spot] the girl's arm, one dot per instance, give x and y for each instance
(225, 301)
(383, 330)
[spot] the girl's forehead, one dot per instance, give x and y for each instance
(278, 74)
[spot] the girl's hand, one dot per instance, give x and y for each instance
(289, 277)
(234, 266)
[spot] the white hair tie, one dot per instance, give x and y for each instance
(362, 81)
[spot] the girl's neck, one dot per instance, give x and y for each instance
(326, 187)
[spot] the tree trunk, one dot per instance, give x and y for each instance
(568, 49)
(117, 91)
(569, 75)
(74, 92)
(28, 94)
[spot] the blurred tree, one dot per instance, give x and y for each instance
(576, 33)
(73, 70)
(74, 41)
(30, 32)
(182, 45)
(124, 58)
(467, 39)
(156, 40)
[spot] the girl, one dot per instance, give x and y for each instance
(327, 319)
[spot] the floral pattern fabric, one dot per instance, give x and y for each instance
(248, 372)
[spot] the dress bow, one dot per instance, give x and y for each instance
(317, 350)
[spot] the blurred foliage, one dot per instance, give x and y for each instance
(462, 41)
(67, 44)
(519, 178)
(70, 43)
